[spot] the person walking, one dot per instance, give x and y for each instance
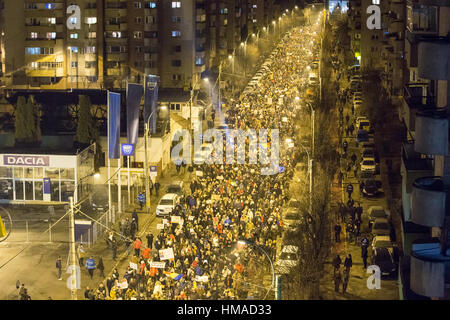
(150, 240)
(337, 232)
(101, 267)
(114, 249)
(81, 254)
(150, 184)
(337, 281)
(141, 199)
(59, 267)
(137, 247)
(345, 281)
(337, 263)
(364, 256)
(157, 185)
(90, 266)
(134, 216)
(348, 263)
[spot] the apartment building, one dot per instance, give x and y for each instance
(425, 271)
(95, 44)
(100, 44)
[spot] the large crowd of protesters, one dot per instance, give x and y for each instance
(230, 209)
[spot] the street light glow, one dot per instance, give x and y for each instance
(230, 56)
(96, 175)
(206, 79)
(297, 98)
(242, 44)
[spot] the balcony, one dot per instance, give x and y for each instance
(413, 101)
(413, 166)
(121, 57)
(430, 269)
(428, 201)
(431, 131)
(434, 59)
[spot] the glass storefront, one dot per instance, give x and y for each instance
(26, 183)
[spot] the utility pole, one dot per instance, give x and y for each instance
(74, 264)
(218, 90)
(147, 192)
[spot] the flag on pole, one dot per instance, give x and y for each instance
(134, 95)
(151, 100)
(113, 125)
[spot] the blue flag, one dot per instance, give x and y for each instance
(134, 95)
(151, 100)
(113, 125)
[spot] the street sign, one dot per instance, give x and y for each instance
(47, 190)
(127, 149)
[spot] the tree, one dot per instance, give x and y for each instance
(86, 128)
(312, 237)
(24, 122)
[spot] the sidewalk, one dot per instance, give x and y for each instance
(357, 287)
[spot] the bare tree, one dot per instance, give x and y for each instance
(312, 238)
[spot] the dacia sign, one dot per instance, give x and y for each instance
(127, 149)
(27, 161)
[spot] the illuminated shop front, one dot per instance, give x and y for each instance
(42, 178)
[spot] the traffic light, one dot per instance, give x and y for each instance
(2, 228)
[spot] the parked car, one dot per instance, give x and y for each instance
(368, 165)
(176, 187)
(166, 204)
(385, 260)
(363, 136)
(381, 226)
(357, 94)
(375, 212)
(293, 203)
(357, 104)
(382, 242)
(370, 153)
(288, 259)
(291, 218)
(359, 120)
(371, 188)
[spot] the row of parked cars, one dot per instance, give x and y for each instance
(383, 252)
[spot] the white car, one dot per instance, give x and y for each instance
(166, 204)
(288, 259)
(368, 165)
(382, 242)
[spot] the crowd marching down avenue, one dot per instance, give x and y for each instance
(210, 251)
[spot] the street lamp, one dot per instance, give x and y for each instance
(146, 132)
(245, 242)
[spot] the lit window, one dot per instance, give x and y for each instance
(138, 5)
(49, 6)
(152, 5)
(73, 20)
(33, 35)
(34, 65)
(255, 6)
(91, 20)
(74, 49)
(74, 36)
(176, 4)
(176, 34)
(51, 35)
(74, 64)
(137, 34)
(53, 20)
(90, 49)
(92, 35)
(375, 1)
(33, 50)
(116, 34)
